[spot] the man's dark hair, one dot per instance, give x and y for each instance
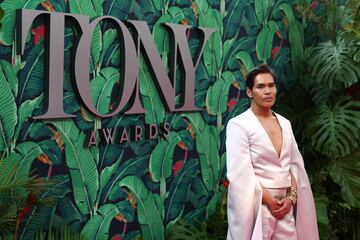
(262, 68)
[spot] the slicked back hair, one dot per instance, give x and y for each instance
(262, 68)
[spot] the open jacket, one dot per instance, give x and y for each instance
(252, 163)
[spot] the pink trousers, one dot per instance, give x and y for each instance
(274, 229)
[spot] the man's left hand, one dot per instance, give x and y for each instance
(284, 209)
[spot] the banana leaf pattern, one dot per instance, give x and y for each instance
(143, 187)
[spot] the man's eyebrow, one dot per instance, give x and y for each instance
(263, 84)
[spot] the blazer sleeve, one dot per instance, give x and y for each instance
(305, 214)
(244, 192)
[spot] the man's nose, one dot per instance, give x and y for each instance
(267, 89)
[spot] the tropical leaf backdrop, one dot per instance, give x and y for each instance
(142, 189)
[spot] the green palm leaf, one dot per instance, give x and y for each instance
(25, 111)
(183, 230)
(333, 65)
(264, 41)
(242, 44)
(261, 10)
(213, 53)
(105, 176)
(25, 154)
(296, 35)
(101, 88)
(245, 59)
(135, 166)
(161, 160)
(148, 214)
(97, 227)
(207, 147)
(203, 8)
(8, 22)
(217, 95)
(281, 61)
(10, 75)
(98, 6)
(161, 36)
(346, 173)
(233, 19)
(334, 128)
(71, 214)
(108, 40)
(82, 7)
(40, 215)
(211, 18)
(132, 235)
(8, 116)
(31, 77)
(117, 8)
(63, 233)
(198, 194)
(59, 5)
(155, 112)
(81, 164)
(109, 154)
(96, 47)
(178, 192)
(126, 209)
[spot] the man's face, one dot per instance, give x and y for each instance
(263, 93)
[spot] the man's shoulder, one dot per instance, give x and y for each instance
(243, 121)
(242, 118)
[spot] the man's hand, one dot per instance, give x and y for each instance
(273, 204)
(281, 212)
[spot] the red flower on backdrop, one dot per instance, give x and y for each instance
(314, 5)
(177, 167)
(116, 237)
(231, 103)
(39, 33)
(274, 52)
(20, 216)
(31, 199)
(225, 182)
(26, 210)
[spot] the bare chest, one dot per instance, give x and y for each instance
(274, 132)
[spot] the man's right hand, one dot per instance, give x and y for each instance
(273, 204)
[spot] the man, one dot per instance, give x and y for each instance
(269, 196)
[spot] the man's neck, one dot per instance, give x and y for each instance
(261, 112)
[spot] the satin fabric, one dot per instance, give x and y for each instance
(252, 162)
(274, 229)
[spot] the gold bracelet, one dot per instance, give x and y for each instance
(293, 200)
(292, 189)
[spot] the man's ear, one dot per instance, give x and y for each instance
(249, 92)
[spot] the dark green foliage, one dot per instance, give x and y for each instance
(64, 233)
(140, 189)
(31, 77)
(178, 192)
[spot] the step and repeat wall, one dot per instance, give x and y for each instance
(122, 105)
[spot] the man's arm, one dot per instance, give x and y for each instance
(242, 200)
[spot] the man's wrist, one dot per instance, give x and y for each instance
(291, 193)
(292, 199)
